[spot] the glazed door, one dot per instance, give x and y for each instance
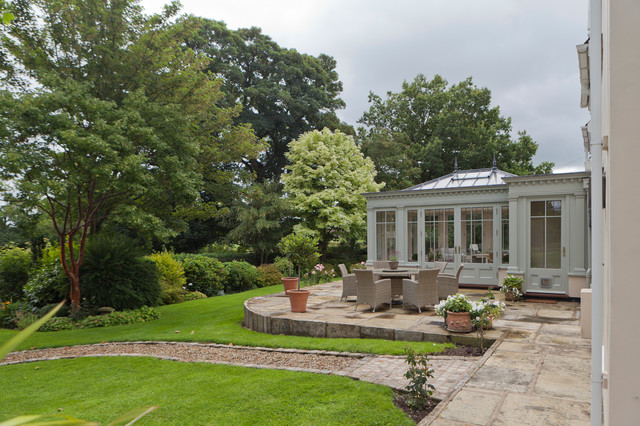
(477, 244)
(546, 243)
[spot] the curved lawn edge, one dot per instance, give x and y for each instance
(214, 320)
(100, 388)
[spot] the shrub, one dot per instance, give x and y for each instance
(194, 295)
(24, 318)
(115, 274)
(269, 275)
(419, 374)
(48, 284)
(204, 274)
(56, 324)
(242, 276)
(142, 314)
(282, 264)
(15, 264)
(7, 314)
(172, 279)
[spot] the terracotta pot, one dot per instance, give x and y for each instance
(509, 297)
(458, 322)
(289, 284)
(393, 264)
(298, 300)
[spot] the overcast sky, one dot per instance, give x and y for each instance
(523, 51)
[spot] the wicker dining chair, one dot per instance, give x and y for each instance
(370, 292)
(423, 291)
(348, 282)
(380, 264)
(448, 284)
(440, 266)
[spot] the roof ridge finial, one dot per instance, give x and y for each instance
(495, 166)
(455, 164)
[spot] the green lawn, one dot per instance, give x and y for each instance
(100, 389)
(218, 320)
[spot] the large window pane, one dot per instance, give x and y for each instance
(385, 234)
(554, 243)
(537, 243)
(477, 234)
(546, 234)
(505, 235)
(439, 235)
(412, 235)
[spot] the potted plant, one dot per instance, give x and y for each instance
(301, 250)
(393, 259)
(512, 288)
(456, 312)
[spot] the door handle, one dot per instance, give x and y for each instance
(564, 252)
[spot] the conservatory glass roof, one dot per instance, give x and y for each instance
(464, 179)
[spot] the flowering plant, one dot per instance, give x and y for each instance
(320, 274)
(360, 265)
(454, 303)
(513, 285)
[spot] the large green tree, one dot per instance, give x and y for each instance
(326, 176)
(263, 217)
(416, 135)
(283, 93)
(104, 114)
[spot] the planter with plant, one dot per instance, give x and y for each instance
(512, 288)
(302, 251)
(456, 312)
(393, 259)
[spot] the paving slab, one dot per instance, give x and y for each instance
(472, 407)
(502, 379)
(509, 360)
(531, 410)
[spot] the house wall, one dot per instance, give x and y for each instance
(620, 97)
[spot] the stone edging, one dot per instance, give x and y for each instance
(269, 323)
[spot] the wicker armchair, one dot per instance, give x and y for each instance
(348, 282)
(370, 292)
(448, 284)
(423, 291)
(440, 266)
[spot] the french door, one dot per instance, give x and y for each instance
(547, 252)
(463, 235)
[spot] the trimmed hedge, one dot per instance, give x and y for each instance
(269, 275)
(242, 276)
(203, 273)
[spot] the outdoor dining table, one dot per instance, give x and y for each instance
(396, 276)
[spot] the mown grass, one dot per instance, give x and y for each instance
(216, 320)
(100, 389)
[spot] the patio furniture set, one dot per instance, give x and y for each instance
(418, 287)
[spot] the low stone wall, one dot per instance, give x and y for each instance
(277, 323)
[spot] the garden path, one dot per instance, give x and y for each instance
(383, 370)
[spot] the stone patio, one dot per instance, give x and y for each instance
(536, 371)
